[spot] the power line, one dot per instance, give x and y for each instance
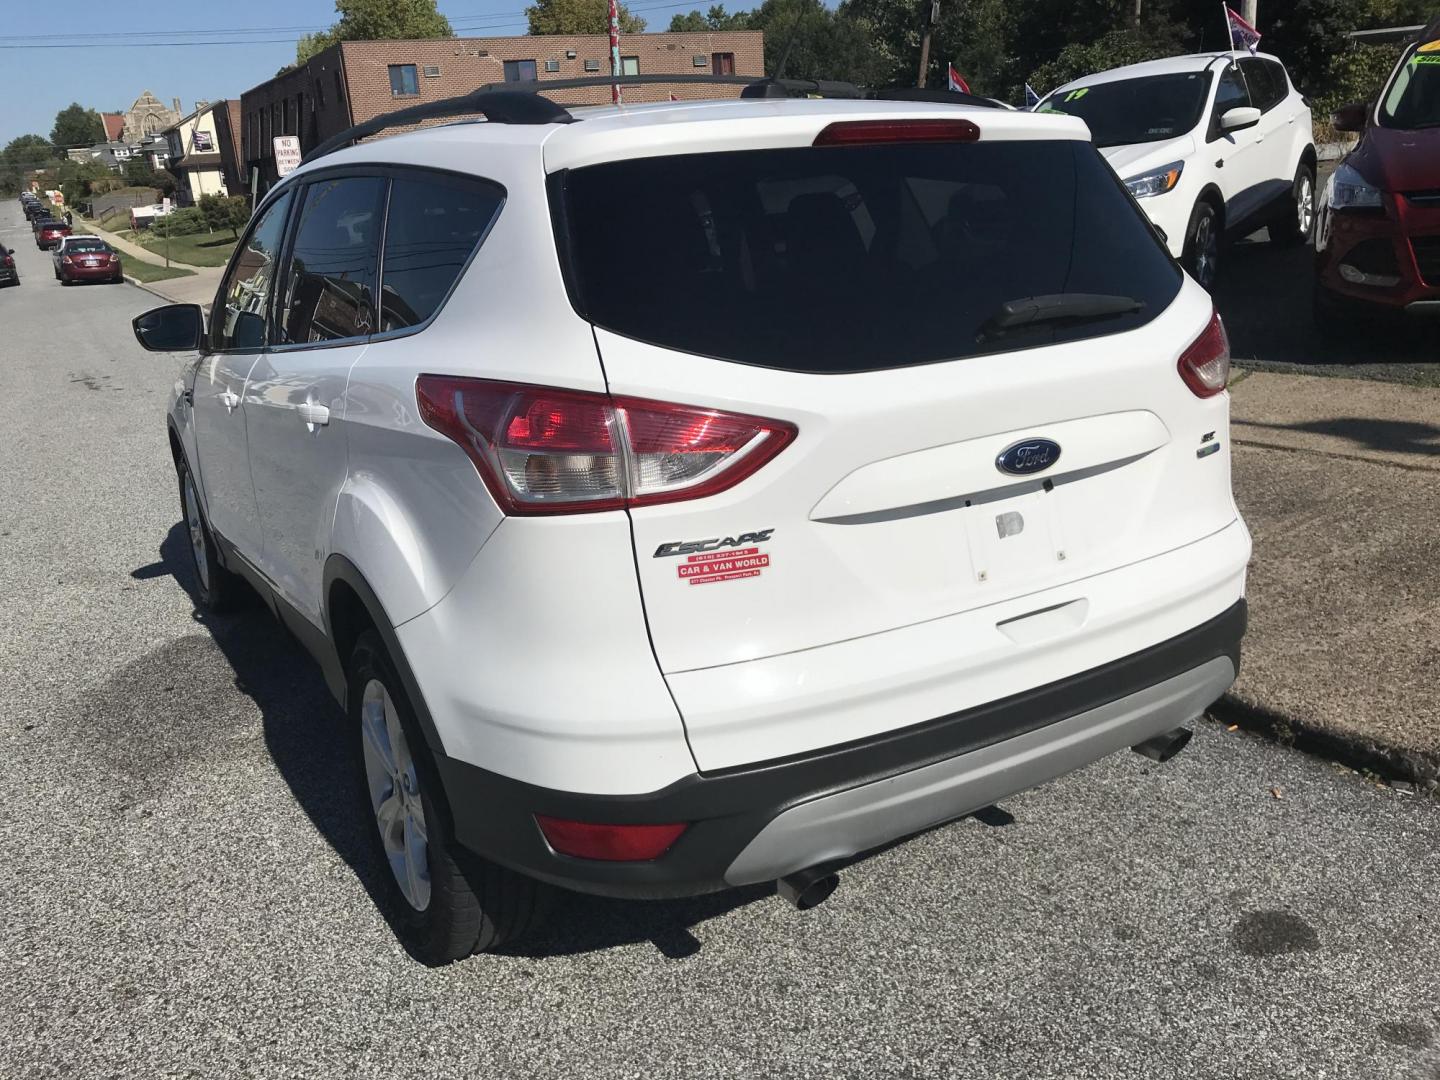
(81, 40)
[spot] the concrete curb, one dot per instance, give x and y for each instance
(1391, 763)
(142, 285)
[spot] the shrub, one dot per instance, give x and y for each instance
(1356, 74)
(184, 222)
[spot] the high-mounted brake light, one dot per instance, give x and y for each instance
(542, 450)
(871, 132)
(1205, 365)
(611, 843)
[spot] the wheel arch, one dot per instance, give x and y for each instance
(1211, 194)
(351, 607)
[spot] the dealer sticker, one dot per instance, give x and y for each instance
(722, 566)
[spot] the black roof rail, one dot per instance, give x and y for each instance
(944, 97)
(523, 102)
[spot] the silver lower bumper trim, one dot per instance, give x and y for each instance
(845, 823)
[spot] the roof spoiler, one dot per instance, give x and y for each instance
(523, 102)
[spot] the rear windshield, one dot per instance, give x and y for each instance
(86, 245)
(840, 259)
(1149, 109)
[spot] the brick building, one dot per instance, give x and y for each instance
(356, 81)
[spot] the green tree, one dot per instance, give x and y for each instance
(22, 155)
(224, 212)
(377, 20)
(76, 125)
(1115, 49)
(817, 43)
(717, 18)
(579, 17)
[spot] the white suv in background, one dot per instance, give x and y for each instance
(702, 494)
(1212, 145)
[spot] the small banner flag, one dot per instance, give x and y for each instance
(957, 81)
(674, 98)
(1241, 32)
(1031, 98)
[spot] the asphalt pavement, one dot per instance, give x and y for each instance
(185, 890)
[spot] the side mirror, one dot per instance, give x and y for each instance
(1240, 118)
(173, 328)
(1350, 117)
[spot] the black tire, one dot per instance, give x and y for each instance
(474, 905)
(1201, 255)
(217, 590)
(1293, 227)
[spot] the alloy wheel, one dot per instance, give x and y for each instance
(1305, 205)
(1207, 252)
(394, 787)
(196, 526)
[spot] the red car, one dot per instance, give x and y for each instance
(50, 233)
(86, 258)
(1377, 240)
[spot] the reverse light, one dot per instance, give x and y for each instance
(542, 450)
(871, 132)
(609, 843)
(1205, 365)
(1155, 182)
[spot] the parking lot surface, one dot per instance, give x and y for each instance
(186, 892)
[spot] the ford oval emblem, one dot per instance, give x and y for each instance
(1029, 456)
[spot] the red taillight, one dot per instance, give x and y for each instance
(870, 132)
(1205, 365)
(542, 450)
(611, 843)
(9, 260)
(67, 260)
(114, 258)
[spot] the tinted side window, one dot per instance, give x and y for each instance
(330, 280)
(245, 294)
(1260, 83)
(433, 226)
(1279, 79)
(1231, 93)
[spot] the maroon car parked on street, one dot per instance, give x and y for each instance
(49, 234)
(86, 258)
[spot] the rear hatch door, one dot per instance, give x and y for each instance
(942, 462)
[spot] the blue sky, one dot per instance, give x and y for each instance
(96, 53)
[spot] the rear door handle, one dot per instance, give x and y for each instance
(229, 399)
(314, 415)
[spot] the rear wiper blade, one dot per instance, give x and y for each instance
(1055, 307)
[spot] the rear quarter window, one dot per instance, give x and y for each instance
(433, 227)
(843, 259)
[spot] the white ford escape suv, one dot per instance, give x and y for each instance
(701, 494)
(1212, 144)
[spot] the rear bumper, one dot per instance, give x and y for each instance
(9, 275)
(91, 273)
(759, 822)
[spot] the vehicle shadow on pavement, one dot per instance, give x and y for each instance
(1397, 436)
(1265, 295)
(304, 731)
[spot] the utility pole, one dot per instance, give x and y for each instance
(925, 42)
(1249, 13)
